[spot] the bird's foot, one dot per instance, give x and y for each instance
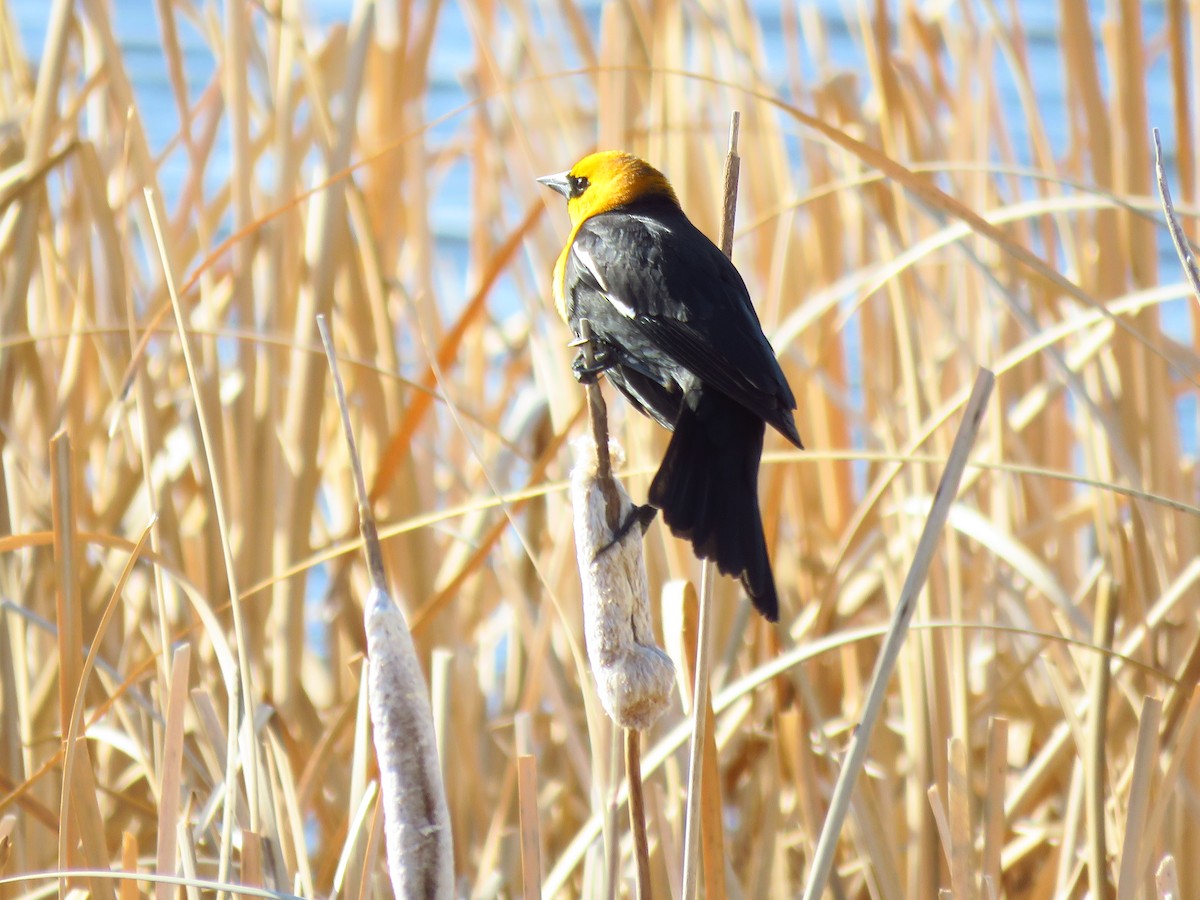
(641, 516)
(604, 357)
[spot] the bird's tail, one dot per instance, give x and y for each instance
(707, 488)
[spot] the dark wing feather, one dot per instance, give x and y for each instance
(658, 401)
(654, 286)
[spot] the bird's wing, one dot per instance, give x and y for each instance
(679, 294)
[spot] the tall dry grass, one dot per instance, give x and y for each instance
(181, 644)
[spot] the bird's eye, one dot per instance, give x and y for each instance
(578, 185)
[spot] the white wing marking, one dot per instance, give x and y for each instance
(585, 258)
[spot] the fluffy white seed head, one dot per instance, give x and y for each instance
(634, 677)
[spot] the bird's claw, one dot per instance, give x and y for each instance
(603, 359)
(641, 516)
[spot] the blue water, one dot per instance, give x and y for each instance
(138, 32)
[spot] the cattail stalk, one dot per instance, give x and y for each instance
(691, 830)
(416, 819)
(633, 676)
(856, 755)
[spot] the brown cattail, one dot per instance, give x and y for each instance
(416, 821)
(633, 676)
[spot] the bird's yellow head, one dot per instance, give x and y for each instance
(607, 180)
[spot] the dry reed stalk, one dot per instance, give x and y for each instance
(79, 791)
(67, 608)
(682, 606)
(633, 676)
(942, 821)
(417, 823)
(13, 313)
(1071, 869)
(637, 811)
(963, 872)
(1187, 259)
(1166, 793)
(129, 862)
(298, 483)
(1094, 761)
(171, 774)
(245, 704)
(996, 766)
(1129, 876)
(531, 858)
(905, 608)
(80, 821)
(700, 705)
(251, 872)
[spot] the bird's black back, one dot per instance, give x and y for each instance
(676, 312)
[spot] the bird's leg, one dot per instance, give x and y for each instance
(641, 516)
(604, 357)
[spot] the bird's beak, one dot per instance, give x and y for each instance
(557, 183)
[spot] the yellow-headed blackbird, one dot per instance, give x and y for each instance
(675, 330)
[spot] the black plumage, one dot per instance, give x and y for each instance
(674, 329)
(693, 357)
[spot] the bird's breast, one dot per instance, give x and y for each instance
(560, 293)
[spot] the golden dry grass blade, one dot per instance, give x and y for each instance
(1102, 635)
(1143, 766)
(170, 785)
(247, 703)
(79, 813)
(712, 838)
(129, 862)
(1175, 763)
(698, 816)
(531, 857)
(1186, 258)
(914, 581)
(79, 785)
(68, 613)
(962, 867)
(994, 826)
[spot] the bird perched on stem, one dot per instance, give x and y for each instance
(674, 329)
